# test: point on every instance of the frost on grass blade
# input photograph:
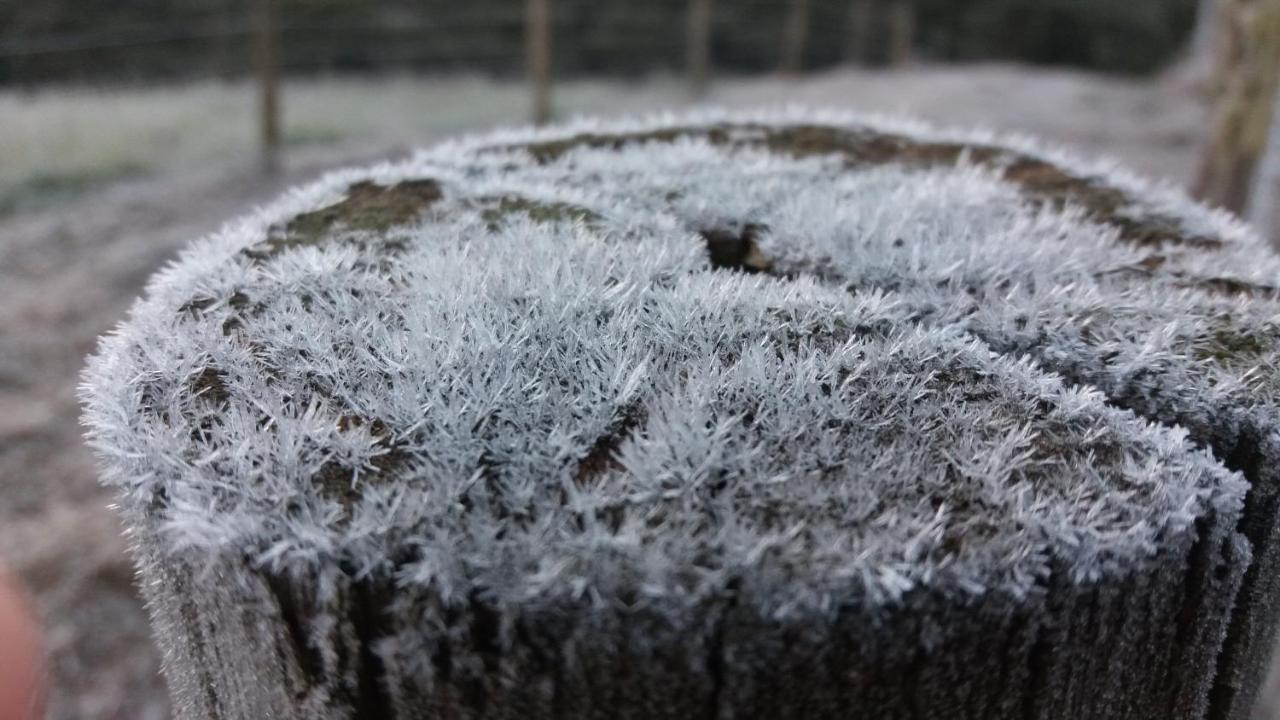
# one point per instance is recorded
(788, 413)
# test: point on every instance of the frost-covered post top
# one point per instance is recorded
(721, 377)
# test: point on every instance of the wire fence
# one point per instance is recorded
(541, 38)
(544, 39)
(41, 42)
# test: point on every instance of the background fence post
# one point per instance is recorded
(538, 45)
(266, 64)
(858, 33)
(795, 33)
(1246, 75)
(699, 46)
(902, 31)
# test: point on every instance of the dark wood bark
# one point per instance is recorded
(245, 644)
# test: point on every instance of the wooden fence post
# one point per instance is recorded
(527, 493)
(266, 63)
(902, 27)
(698, 48)
(858, 33)
(538, 46)
(1246, 78)
(795, 33)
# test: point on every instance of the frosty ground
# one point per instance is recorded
(99, 188)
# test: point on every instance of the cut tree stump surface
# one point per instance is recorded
(777, 415)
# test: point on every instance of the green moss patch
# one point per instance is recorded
(497, 210)
(1230, 346)
(367, 207)
(1232, 287)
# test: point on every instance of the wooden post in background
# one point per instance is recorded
(266, 65)
(698, 46)
(1246, 77)
(795, 33)
(858, 33)
(538, 47)
(902, 31)
(225, 56)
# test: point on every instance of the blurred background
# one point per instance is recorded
(128, 128)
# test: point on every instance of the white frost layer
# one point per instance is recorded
(544, 408)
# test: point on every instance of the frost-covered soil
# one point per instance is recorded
(70, 267)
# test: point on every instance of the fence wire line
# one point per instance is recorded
(84, 42)
(239, 26)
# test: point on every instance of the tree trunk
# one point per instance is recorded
(795, 35)
(698, 48)
(538, 43)
(1247, 73)
(266, 62)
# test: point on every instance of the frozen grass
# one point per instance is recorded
(78, 138)
(86, 137)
